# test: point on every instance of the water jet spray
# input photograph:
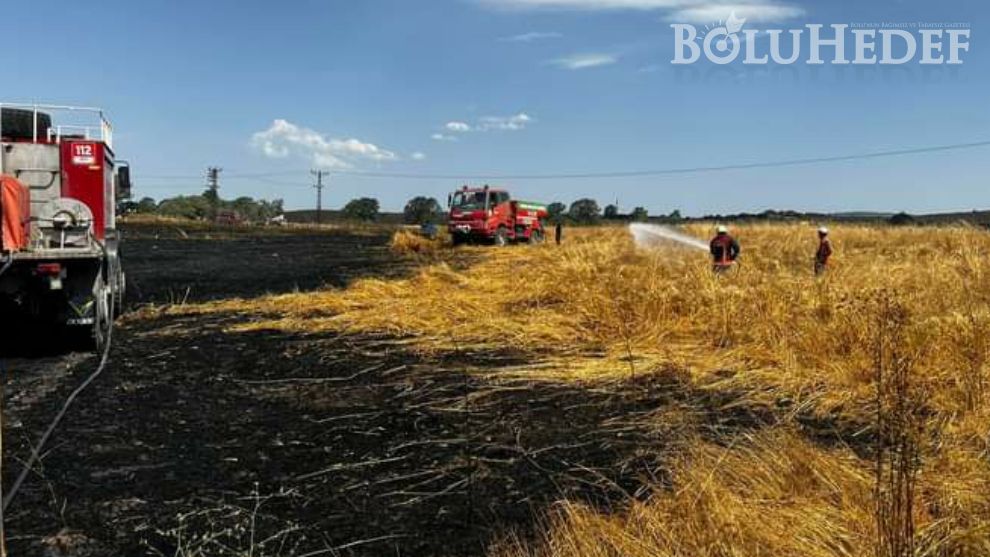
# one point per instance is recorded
(652, 235)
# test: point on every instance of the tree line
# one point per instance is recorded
(425, 210)
(418, 210)
(587, 211)
(206, 206)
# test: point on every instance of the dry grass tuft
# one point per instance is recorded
(773, 494)
(409, 242)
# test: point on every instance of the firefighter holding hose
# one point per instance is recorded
(724, 250)
(824, 252)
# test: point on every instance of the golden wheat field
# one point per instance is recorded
(874, 376)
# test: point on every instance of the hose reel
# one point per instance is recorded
(65, 222)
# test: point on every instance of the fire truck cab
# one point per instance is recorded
(60, 250)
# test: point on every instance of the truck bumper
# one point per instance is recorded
(47, 290)
(469, 229)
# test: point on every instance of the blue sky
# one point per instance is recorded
(507, 87)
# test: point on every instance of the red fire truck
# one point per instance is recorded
(60, 180)
(489, 214)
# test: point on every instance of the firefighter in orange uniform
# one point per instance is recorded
(824, 251)
(724, 250)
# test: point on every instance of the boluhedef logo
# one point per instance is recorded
(845, 44)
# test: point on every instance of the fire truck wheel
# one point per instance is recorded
(101, 313)
(19, 124)
(119, 295)
(536, 237)
(501, 237)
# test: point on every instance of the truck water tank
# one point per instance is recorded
(21, 124)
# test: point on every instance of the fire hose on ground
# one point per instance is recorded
(36, 450)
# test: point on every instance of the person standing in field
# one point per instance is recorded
(824, 251)
(724, 250)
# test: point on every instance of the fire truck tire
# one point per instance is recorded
(18, 123)
(120, 295)
(501, 237)
(101, 313)
(536, 237)
(458, 239)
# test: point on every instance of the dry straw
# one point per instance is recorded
(773, 335)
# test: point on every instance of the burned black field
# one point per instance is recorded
(201, 441)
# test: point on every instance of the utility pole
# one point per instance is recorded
(319, 192)
(213, 186)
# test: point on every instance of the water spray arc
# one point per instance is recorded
(652, 235)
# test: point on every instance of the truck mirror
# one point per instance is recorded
(124, 182)
(450, 200)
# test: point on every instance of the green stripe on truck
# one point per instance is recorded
(532, 206)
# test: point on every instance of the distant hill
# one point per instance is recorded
(861, 215)
(973, 217)
(976, 218)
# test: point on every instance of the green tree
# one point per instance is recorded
(556, 211)
(901, 219)
(675, 215)
(640, 214)
(244, 206)
(202, 207)
(270, 209)
(146, 205)
(422, 210)
(611, 212)
(365, 209)
(186, 206)
(585, 211)
(126, 207)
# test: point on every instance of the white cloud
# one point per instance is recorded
(442, 137)
(584, 61)
(513, 123)
(284, 138)
(532, 36)
(505, 123)
(684, 11)
(751, 12)
(417, 156)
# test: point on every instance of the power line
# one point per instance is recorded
(229, 175)
(284, 184)
(672, 171)
(193, 187)
(261, 177)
